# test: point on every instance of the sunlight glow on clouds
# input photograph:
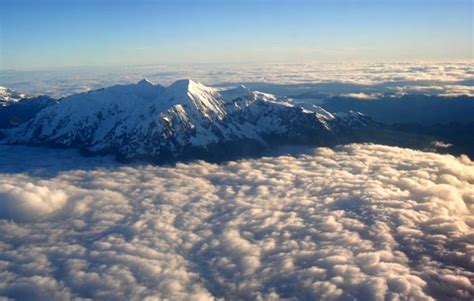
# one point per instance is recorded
(363, 221)
(29, 202)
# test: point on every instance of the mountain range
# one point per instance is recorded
(186, 120)
(17, 108)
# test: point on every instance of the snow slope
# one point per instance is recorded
(185, 119)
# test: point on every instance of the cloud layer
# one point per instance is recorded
(448, 79)
(362, 221)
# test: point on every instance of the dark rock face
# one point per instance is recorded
(16, 113)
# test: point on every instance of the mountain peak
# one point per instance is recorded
(147, 89)
(145, 82)
(188, 86)
(204, 99)
(184, 84)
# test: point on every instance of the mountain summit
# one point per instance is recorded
(184, 120)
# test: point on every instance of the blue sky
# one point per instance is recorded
(47, 34)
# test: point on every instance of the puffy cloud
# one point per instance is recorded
(29, 202)
(369, 222)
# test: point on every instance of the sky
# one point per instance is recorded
(51, 33)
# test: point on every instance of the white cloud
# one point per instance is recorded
(29, 202)
(362, 221)
(441, 144)
(436, 78)
(363, 96)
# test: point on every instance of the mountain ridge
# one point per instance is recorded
(185, 119)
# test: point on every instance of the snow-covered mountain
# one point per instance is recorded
(16, 108)
(9, 96)
(184, 120)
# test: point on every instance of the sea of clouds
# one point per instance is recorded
(365, 80)
(369, 222)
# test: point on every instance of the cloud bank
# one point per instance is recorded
(449, 79)
(368, 222)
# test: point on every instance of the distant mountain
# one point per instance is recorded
(184, 120)
(8, 96)
(426, 110)
(16, 108)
